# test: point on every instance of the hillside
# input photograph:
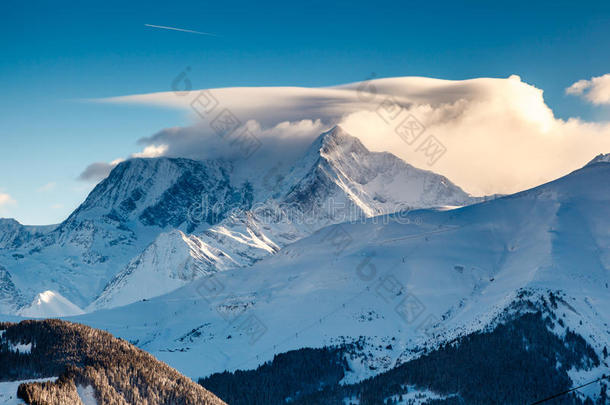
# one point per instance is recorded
(163, 222)
(516, 362)
(86, 359)
(411, 282)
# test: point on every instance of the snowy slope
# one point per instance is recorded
(171, 261)
(416, 284)
(10, 296)
(123, 214)
(50, 304)
(13, 234)
(374, 182)
(86, 395)
(337, 180)
(124, 243)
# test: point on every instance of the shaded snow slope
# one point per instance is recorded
(13, 234)
(407, 285)
(10, 297)
(170, 262)
(122, 215)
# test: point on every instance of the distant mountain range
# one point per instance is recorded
(377, 281)
(447, 284)
(156, 224)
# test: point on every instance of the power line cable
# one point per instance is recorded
(603, 377)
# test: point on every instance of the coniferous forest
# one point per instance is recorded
(518, 362)
(118, 372)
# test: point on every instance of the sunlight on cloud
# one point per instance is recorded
(98, 171)
(151, 151)
(499, 134)
(5, 201)
(596, 90)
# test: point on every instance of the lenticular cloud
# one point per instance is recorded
(489, 135)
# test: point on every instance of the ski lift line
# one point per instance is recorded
(603, 377)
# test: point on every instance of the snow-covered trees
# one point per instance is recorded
(118, 372)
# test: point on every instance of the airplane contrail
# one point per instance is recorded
(179, 29)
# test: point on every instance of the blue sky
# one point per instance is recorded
(55, 55)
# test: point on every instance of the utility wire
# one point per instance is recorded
(603, 377)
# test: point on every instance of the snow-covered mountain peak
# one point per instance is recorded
(49, 304)
(156, 191)
(339, 167)
(6, 222)
(455, 272)
(13, 234)
(124, 213)
(149, 223)
(337, 180)
(601, 158)
(338, 141)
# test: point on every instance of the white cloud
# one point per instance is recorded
(262, 148)
(98, 171)
(596, 90)
(499, 134)
(151, 151)
(6, 200)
